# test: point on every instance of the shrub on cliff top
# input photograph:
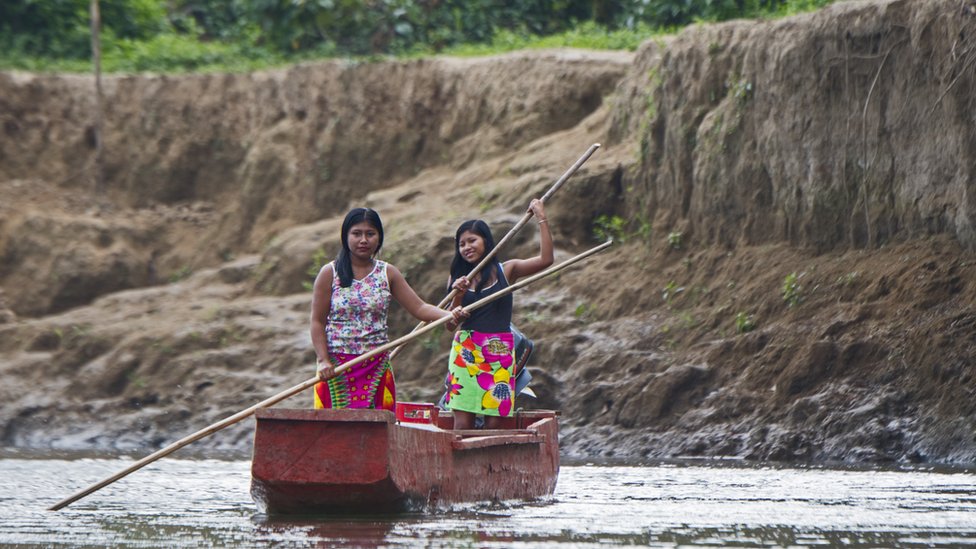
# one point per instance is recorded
(192, 34)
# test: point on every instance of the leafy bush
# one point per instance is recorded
(665, 13)
(213, 19)
(606, 227)
(62, 28)
(744, 323)
(189, 34)
(791, 290)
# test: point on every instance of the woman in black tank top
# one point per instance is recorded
(480, 376)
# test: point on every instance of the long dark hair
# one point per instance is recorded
(460, 266)
(343, 262)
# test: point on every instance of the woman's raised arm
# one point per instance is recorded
(518, 268)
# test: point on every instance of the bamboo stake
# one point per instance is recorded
(511, 233)
(207, 431)
(96, 41)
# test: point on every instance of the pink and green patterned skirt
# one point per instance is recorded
(366, 385)
(479, 377)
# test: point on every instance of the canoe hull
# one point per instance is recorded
(365, 461)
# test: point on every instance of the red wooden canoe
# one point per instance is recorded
(370, 461)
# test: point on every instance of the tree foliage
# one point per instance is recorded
(61, 28)
(198, 30)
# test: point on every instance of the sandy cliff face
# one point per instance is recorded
(248, 156)
(792, 281)
(849, 127)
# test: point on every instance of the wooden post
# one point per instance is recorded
(96, 25)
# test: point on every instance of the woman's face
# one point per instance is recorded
(471, 246)
(363, 240)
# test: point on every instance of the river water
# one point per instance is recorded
(205, 503)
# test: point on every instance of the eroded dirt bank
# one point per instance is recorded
(827, 157)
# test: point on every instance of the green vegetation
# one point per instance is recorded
(319, 260)
(654, 80)
(740, 90)
(583, 311)
(609, 226)
(848, 279)
(136, 380)
(688, 320)
(744, 323)
(674, 240)
(791, 290)
(606, 227)
(182, 273)
(670, 290)
(589, 35)
(237, 35)
(644, 227)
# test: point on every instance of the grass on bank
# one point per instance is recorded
(588, 36)
(179, 53)
(175, 53)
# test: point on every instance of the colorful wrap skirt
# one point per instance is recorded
(366, 385)
(479, 373)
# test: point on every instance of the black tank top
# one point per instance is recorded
(494, 317)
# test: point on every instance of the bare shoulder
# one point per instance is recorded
(326, 271)
(508, 268)
(393, 274)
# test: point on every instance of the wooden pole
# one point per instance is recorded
(511, 233)
(96, 25)
(211, 429)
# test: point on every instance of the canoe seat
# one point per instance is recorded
(481, 439)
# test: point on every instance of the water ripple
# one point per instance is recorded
(193, 503)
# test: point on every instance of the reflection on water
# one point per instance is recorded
(193, 503)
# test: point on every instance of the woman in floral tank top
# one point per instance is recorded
(350, 300)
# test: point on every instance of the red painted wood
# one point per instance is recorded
(312, 461)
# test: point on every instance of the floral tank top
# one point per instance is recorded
(357, 315)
